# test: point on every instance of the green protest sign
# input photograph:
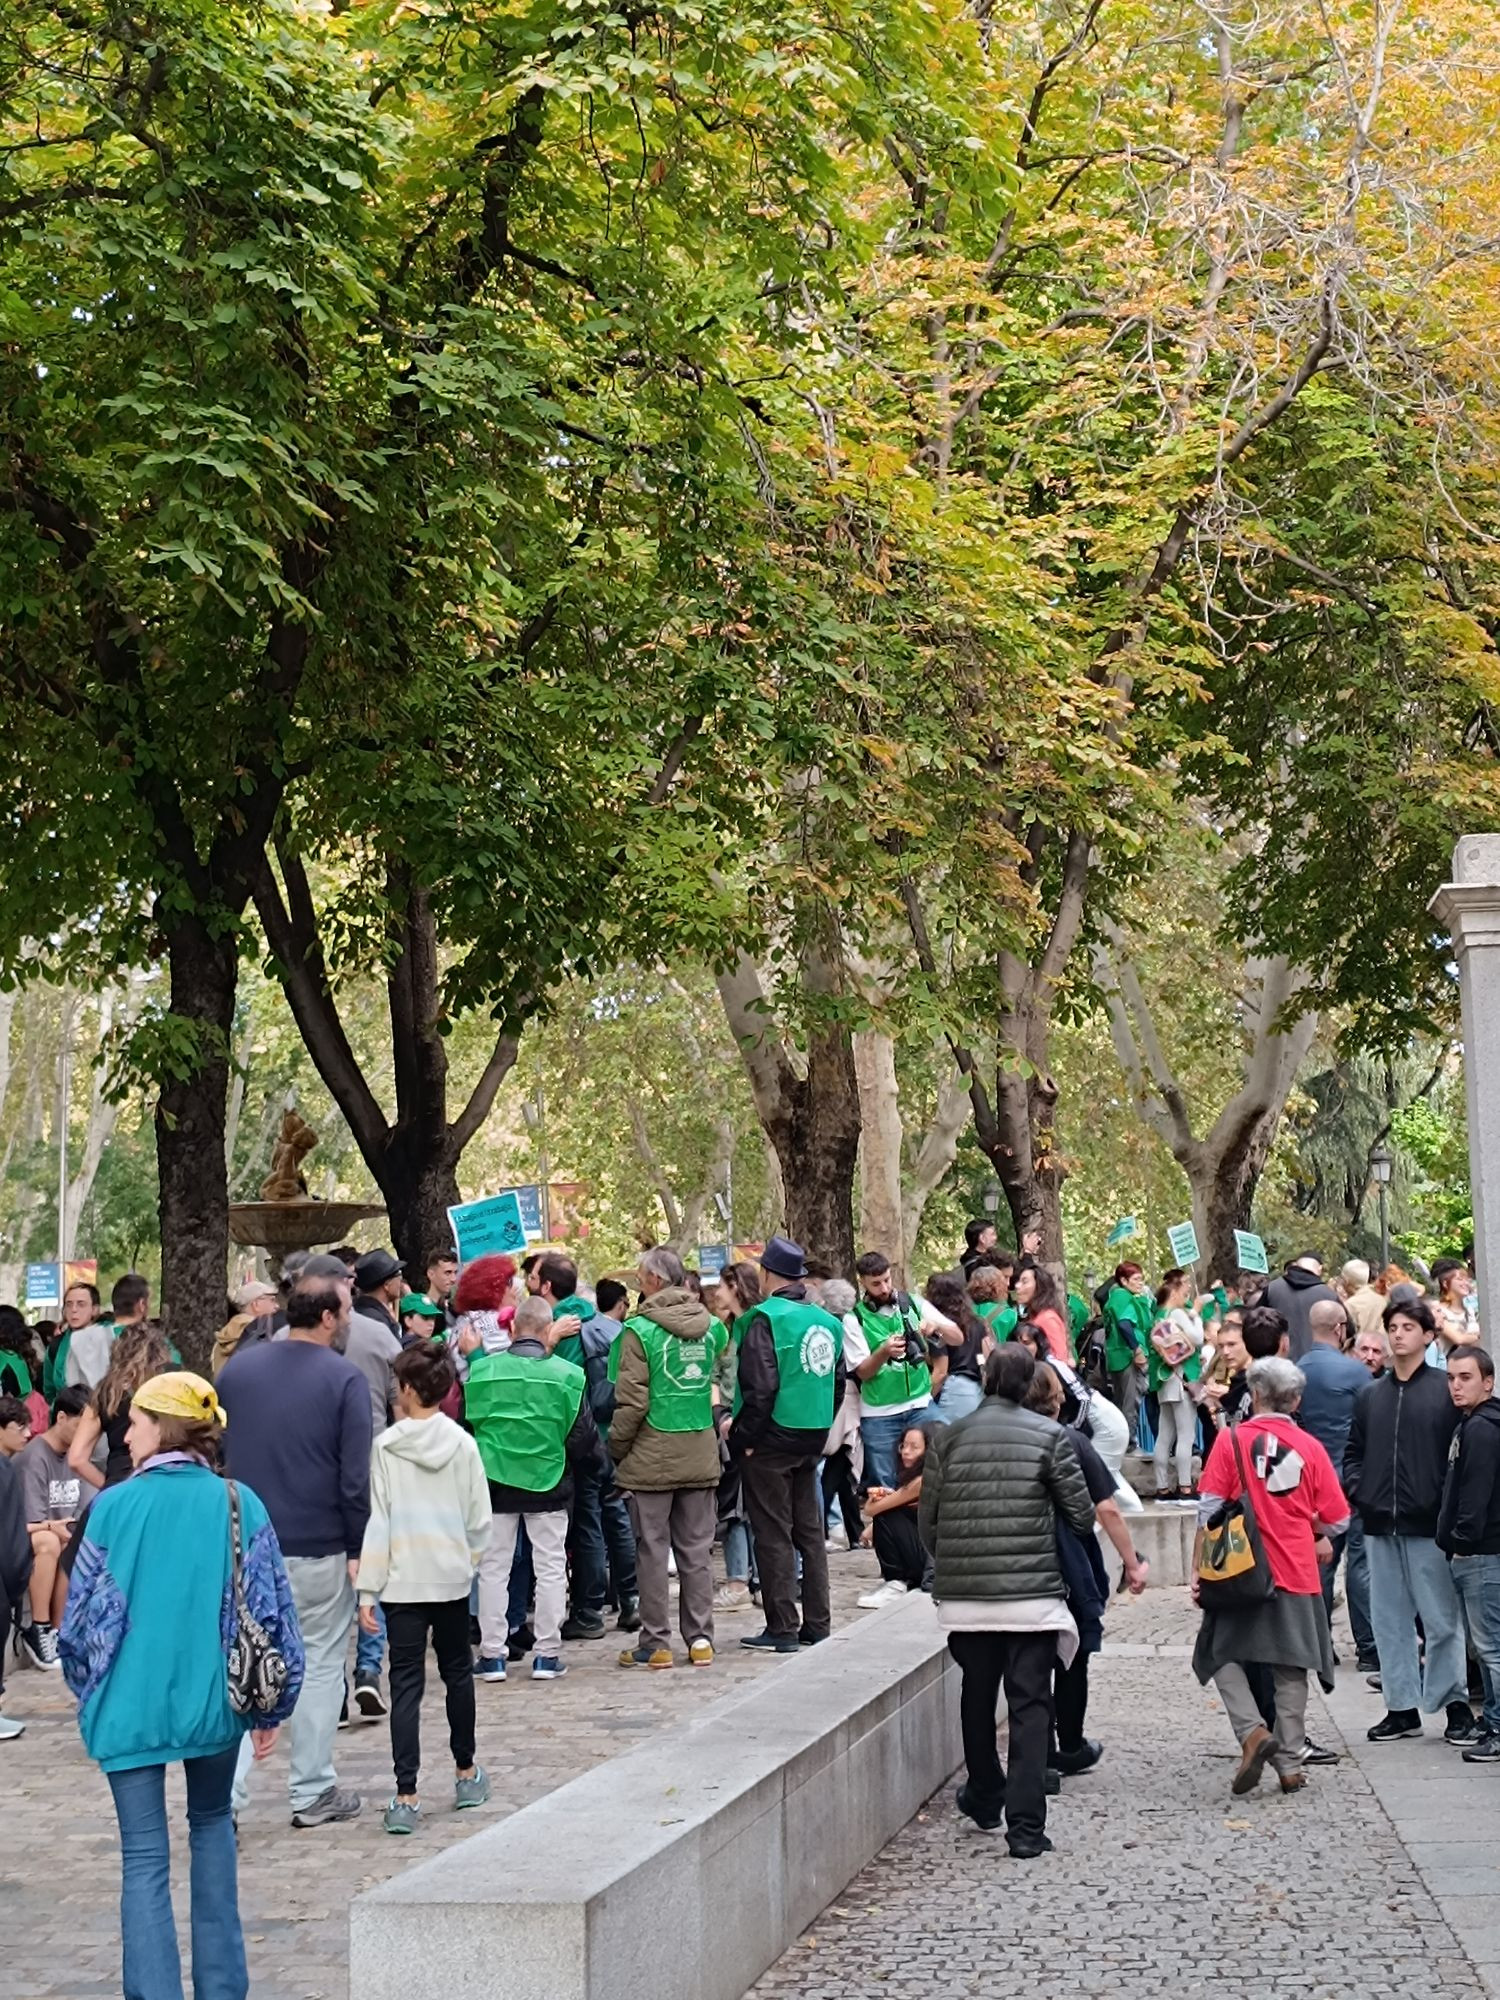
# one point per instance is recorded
(1183, 1239)
(1250, 1251)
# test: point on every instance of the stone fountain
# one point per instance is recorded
(287, 1217)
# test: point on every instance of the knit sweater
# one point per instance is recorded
(429, 1514)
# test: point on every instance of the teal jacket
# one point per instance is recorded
(150, 1619)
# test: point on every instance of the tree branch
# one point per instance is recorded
(482, 1097)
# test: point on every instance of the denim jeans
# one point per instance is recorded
(739, 1553)
(1477, 1581)
(601, 1521)
(369, 1647)
(961, 1396)
(1409, 1579)
(324, 1598)
(153, 1968)
(882, 1437)
(1350, 1546)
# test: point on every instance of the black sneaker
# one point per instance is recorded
(1396, 1726)
(767, 1642)
(1033, 1853)
(1084, 1758)
(520, 1643)
(811, 1638)
(368, 1699)
(986, 1822)
(1462, 1728)
(629, 1619)
(1052, 1782)
(1372, 1681)
(1367, 1663)
(1314, 1753)
(1485, 1751)
(583, 1625)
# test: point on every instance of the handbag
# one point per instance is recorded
(1232, 1565)
(256, 1666)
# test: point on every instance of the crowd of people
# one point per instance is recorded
(492, 1465)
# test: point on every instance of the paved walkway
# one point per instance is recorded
(1380, 1881)
(59, 1853)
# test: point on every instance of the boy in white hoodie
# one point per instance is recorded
(429, 1526)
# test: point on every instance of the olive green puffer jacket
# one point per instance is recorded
(992, 1488)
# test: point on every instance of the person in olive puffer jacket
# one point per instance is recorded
(992, 1489)
(666, 1454)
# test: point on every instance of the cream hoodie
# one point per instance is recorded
(429, 1514)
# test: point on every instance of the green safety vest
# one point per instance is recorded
(14, 1369)
(898, 1381)
(521, 1408)
(807, 1342)
(682, 1373)
(1002, 1321)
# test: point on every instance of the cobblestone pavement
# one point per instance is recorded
(59, 1854)
(1162, 1885)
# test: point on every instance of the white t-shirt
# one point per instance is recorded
(857, 1350)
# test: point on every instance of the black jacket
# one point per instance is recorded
(760, 1381)
(15, 1553)
(377, 1309)
(993, 1488)
(1469, 1523)
(1397, 1456)
(1294, 1294)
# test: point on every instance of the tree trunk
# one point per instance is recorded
(190, 1111)
(881, 1225)
(419, 1186)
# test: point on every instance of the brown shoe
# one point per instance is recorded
(1255, 1751)
(1294, 1781)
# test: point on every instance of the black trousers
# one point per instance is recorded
(406, 1630)
(1070, 1698)
(1022, 1663)
(898, 1547)
(786, 1518)
(838, 1478)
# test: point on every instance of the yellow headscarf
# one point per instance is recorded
(179, 1394)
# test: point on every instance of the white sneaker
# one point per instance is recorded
(886, 1594)
(837, 1538)
(10, 1729)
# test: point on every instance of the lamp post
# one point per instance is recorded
(1381, 1166)
(991, 1198)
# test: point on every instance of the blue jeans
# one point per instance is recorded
(882, 1437)
(961, 1396)
(1351, 1546)
(1409, 1579)
(369, 1647)
(600, 1520)
(1477, 1581)
(739, 1554)
(153, 1969)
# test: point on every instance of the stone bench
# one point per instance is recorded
(683, 1868)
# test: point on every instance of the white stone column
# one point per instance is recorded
(1469, 908)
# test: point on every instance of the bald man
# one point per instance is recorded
(1334, 1382)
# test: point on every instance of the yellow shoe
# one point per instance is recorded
(700, 1653)
(643, 1656)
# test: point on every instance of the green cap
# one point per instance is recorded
(418, 1302)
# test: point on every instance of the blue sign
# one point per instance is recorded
(43, 1286)
(712, 1257)
(530, 1199)
(489, 1227)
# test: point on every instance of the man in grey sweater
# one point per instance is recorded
(992, 1489)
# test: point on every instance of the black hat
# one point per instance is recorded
(376, 1267)
(783, 1258)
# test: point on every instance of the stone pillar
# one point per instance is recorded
(1469, 908)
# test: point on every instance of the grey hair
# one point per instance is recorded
(533, 1317)
(838, 1296)
(660, 1262)
(1275, 1385)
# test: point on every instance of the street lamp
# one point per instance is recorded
(991, 1198)
(1381, 1166)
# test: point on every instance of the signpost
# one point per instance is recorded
(712, 1257)
(1183, 1240)
(1250, 1251)
(43, 1288)
(489, 1227)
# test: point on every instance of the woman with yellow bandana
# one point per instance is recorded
(145, 1651)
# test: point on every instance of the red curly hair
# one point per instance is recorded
(484, 1285)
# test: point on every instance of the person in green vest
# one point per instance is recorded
(885, 1346)
(532, 1423)
(791, 1381)
(600, 1520)
(666, 1455)
(1129, 1314)
(80, 1308)
(989, 1288)
(90, 1350)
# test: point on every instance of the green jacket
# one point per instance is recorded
(571, 1347)
(1126, 1310)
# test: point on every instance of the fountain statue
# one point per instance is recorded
(287, 1217)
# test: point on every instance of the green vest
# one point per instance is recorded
(13, 1371)
(521, 1408)
(807, 1342)
(1139, 1308)
(1002, 1321)
(898, 1381)
(682, 1373)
